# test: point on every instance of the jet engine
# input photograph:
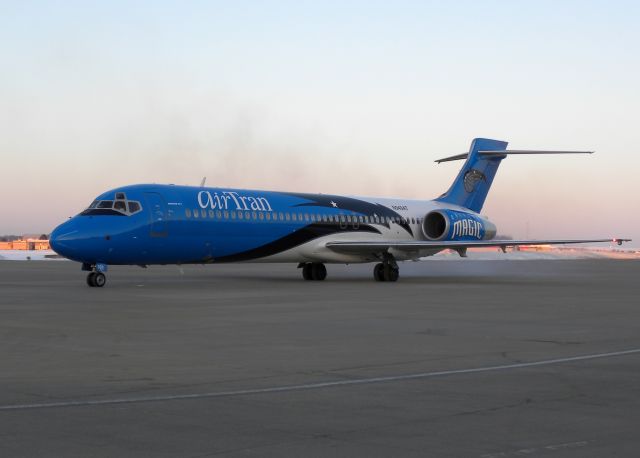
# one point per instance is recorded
(447, 224)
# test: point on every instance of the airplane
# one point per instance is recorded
(149, 224)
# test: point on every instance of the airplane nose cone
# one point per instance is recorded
(61, 238)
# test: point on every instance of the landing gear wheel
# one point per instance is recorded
(378, 272)
(91, 279)
(390, 273)
(306, 272)
(387, 270)
(318, 271)
(99, 279)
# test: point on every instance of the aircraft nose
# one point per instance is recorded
(61, 238)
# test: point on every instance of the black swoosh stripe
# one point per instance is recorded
(301, 236)
(354, 205)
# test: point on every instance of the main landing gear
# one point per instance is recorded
(96, 277)
(387, 270)
(314, 271)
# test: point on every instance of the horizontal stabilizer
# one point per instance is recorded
(383, 246)
(501, 153)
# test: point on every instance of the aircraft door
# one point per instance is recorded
(157, 214)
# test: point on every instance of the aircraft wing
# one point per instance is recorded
(383, 246)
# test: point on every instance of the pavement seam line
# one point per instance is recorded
(314, 386)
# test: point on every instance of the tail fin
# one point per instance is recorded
(472, 184)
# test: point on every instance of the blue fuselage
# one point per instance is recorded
(166, 224)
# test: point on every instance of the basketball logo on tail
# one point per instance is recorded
(471, 178)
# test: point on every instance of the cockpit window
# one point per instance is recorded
(121, 206)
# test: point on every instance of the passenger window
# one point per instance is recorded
(253, 215)
(268, 216)
(187, 212)
(240, 215)
(196, 214)
(134, 207)
(281, 216)
(226, 214)
(211, 214)
(287, 216)
(293, 216)
(233, 215)
(260, 215)
(218, 214)
(203, 213)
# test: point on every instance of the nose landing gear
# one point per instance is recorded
(96, 277)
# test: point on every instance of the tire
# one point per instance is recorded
(90, 279)
(99, 279)
(318, 271)
(390, 274)
(306, 272)
(378, 273)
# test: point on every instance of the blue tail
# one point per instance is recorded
(472, 184)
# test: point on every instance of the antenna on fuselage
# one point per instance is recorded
(204, 180)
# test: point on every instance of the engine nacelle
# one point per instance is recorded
(444, 224)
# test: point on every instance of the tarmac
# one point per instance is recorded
(488, 359)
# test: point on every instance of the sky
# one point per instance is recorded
(348, 97)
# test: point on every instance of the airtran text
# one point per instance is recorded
(231, 200)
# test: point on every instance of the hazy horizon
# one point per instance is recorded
(351, 98)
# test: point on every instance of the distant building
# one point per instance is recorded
(27, 244)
